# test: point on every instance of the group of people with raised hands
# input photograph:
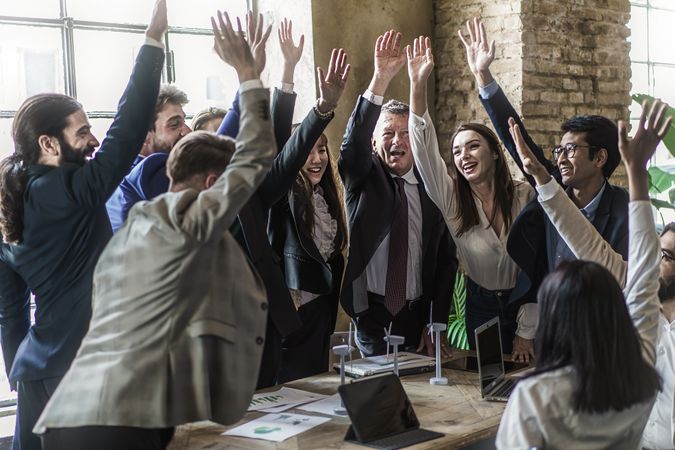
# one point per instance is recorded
(236, 239)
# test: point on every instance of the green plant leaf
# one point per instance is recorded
(669, 139)
(658, 204)
(660, 180)
(671, 195)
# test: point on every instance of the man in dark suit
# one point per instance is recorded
(55, 225)
(585, 159)
(401, 256)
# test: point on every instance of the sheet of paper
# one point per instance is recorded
(324, 406)
(276, 427)
(284, 396)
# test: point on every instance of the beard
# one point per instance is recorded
(73, 155)
(666, 289)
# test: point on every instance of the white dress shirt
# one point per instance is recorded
(539, 412)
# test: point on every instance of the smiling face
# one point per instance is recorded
(580, 170)
(78, 143)
(391, 142)
(317, 161)
(170, 127)
(473, 158)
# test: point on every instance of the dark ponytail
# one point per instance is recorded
(42, 114)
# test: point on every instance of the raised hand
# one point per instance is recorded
(479, 54)
(420, 60)
(158, 22)
(388, 60)
(257, 40)
(654, 124)
(232, 48)
(332, 84)
(531, 165)
(290, 52)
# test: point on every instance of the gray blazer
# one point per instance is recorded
(179, 314)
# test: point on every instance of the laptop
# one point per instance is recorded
(494, 385)
(381, 414)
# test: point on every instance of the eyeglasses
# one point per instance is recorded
(667, 255)
(570, 149)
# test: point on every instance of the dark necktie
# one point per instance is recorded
(397, 265)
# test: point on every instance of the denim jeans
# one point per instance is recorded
(483, 305)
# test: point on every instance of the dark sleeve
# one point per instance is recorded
(230, 124)
(446, 270)
(499, 109)
(292, 157)
(95, 182)
(283, 106)
(355, 160)
(146, 181)
(14, 313)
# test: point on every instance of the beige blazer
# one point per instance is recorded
(179, 314)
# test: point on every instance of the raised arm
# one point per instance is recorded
(283, 101)
(423, 139)
(579, 234)
(14, 314)
(479, 55)
(355, 159)
(215, 208)
(293, 156)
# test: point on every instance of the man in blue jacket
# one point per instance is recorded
(54, 224)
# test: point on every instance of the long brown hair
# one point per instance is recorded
(42, 114)
(466, 211)
(303, 190)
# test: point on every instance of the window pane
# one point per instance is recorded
(638, 33)
(6, 143)
(31, 62)
(640, 80)
(198, 14)
(118, 11)
(31, 8)
(214, 84)
(661, 36)
(638, 2)
(664, 88)
(99, 127)
(100, 83)
(666, 4)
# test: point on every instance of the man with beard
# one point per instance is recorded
(147, 179)
(401, 256)
(54, 224)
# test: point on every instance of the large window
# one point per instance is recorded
(653, 65)
(86, 48)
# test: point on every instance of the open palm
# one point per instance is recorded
(420, 59)
(332, 84)
(479, 53)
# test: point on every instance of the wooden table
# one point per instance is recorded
(456, 410)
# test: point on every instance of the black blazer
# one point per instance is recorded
(303, 265)
(527, 243)
(371, 198)
(66, 228)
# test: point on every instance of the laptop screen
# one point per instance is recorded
(489, 349)
(378, 407)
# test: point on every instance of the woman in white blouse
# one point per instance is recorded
(594, 382)
(479, 200)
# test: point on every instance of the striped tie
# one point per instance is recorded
(397, 264)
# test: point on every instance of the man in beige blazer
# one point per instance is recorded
(179, 314)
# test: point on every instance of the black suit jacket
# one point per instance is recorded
(527, 243)
(66, 228)
(371, 198)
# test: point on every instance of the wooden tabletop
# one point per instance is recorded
(456, 410)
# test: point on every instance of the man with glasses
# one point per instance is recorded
(583, 162)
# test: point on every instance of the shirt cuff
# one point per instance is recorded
(549, 190)
(417, 121)
(153, 42)
(372, 98)
(287, 87)
(249, 85)
(528, 317)
(488, 91)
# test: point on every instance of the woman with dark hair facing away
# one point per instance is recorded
(594, 382)
(479, 200)
(307, 228)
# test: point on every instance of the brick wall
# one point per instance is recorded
(554, 59)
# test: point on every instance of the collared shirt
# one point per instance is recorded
(539, 412)
(376, 271)
(660, 429)
(558, 251)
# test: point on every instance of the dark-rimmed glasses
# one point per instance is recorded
(570, 149)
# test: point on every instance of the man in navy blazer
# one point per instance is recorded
(376, 167)
(585, 159)
(55, 225)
